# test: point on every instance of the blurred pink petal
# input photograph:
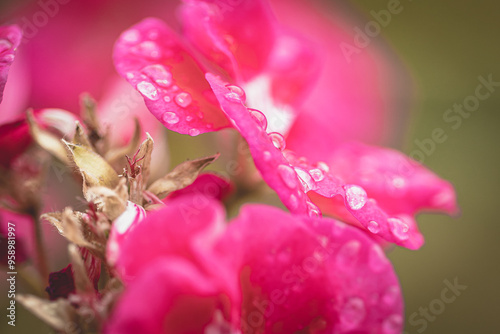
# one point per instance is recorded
(190, 230)
(268, 271)
(171, 296)
(236, 35)
(153, 60)
(310, 274)
(10, 38)
(209, 185)
(15, 137)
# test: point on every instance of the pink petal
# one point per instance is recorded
(399, 184)
(269, 160)
(152, 58)
(185, 228)
(121, 228)
(310, 274)
(170, 296)
(208, 185)
(236, 35)
(10, 38)
(291, 176)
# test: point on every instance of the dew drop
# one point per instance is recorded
(317, 174)
(235, 94)
(167, 98)
(398, 182)
(170, 118)
(194, 132)
(356, 197)
(313, 210)
(259, 117)
(391, 295)
(293, 201)
(392, 325)
(305, 179)
(159, 74)
(373, 227)
(323, 166)
(129, 75)
(267, 156)
(398, 228)
(347, 254)
(148, 90)
(183, 99)
(278, 140)
(352, 313)
(148, 49)
(288, 176)
(189, 118)
(131, 36)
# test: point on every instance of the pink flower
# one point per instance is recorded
(10, 37)
(266, 272)
(275, 70)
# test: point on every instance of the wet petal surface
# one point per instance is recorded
(153, 59)
(10, 38)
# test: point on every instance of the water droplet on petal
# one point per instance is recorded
(294, 202)
(194, 132)
(259, 118)
(131, 36)
(391, 295)
(373, 227)
(288, 176)
(353, 312)
(305, 179)
(323, 166)
(189, 118)
(398, 228)
(129, 75)
(392, 325)
(267, 156)
(148, 90)
(167, 98)
(313, 210)
(398, 182)
(183, 99)
(148, 49)
(235, 94)
(278, 140)
(317, 174)
(170, 118)
(347, 254)
(159, 74)
(356, 197)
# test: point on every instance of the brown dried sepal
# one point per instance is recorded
(181, 176)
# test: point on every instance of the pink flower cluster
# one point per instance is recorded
(311, 122)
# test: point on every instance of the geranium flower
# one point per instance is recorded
(244, 60)
(186, 271)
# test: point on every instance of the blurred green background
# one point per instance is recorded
(446, 45)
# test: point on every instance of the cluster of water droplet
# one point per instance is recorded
(156, 82)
